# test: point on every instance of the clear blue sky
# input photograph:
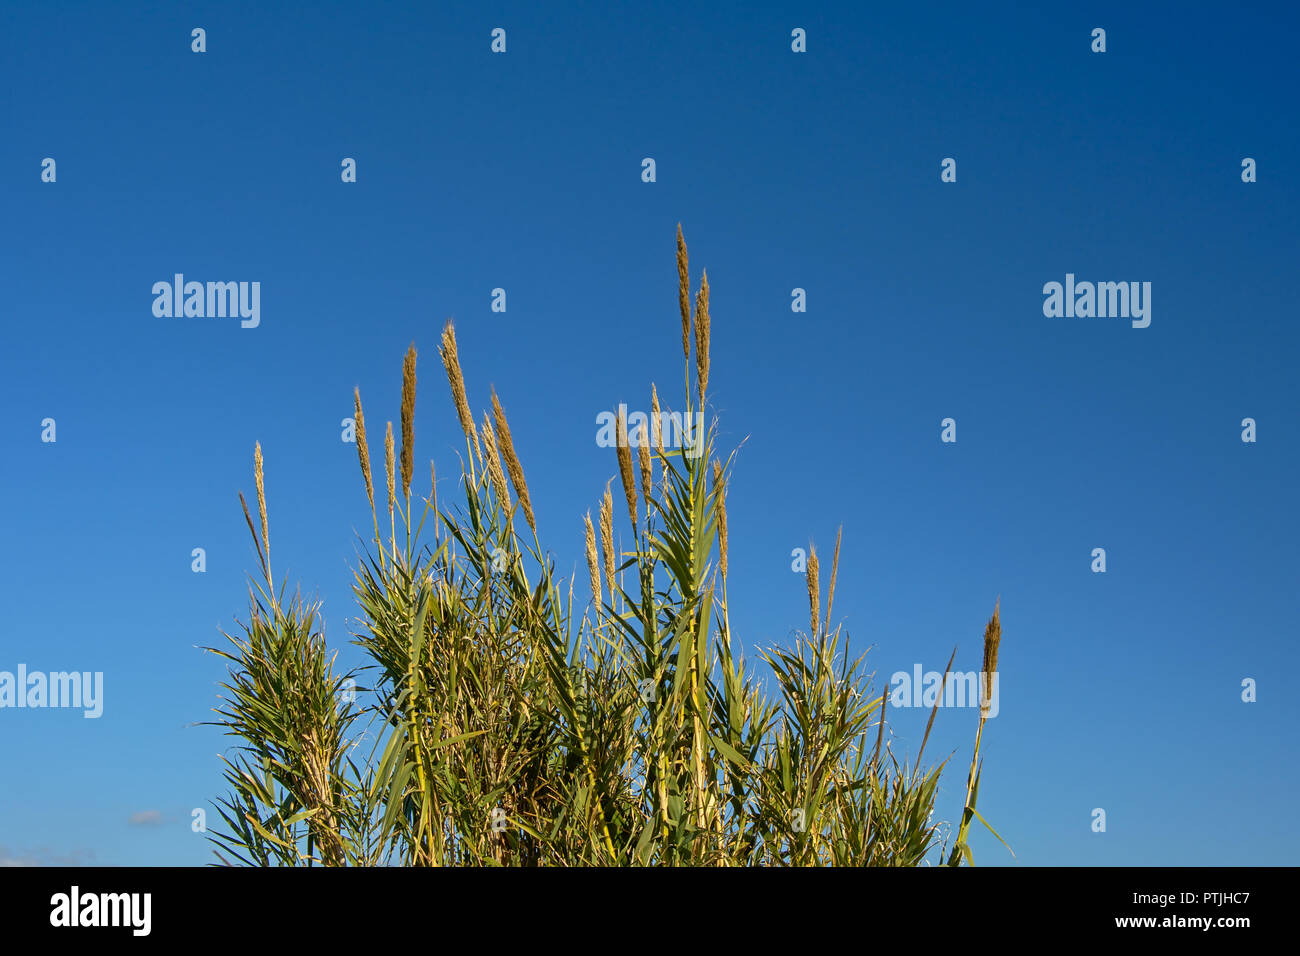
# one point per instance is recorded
(820, 171)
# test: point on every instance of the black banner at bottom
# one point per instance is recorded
(1001, 905)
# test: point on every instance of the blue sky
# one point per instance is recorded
(818, 171)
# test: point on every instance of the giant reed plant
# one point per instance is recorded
(512, 722)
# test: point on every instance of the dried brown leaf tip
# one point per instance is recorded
(363, 449)
(515, 470)
(253, 531)
(625, 467)
(656, 420)
(408, 420)
(720, 493)
(835, 570)
(684, 293)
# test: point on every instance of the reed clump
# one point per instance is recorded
(512, 723)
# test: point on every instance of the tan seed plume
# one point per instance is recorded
(451, 362)
(363, 450)
(408, 421)
(702, 337)
(593, 563)
(657, 420)
(607, 537)
(513, 467)
(643, 459)
(814, 589)
(720, 492)
(992, 639)
(389, 468)
(261, 503)
(625, 467)
(684, 293)
(495, 474)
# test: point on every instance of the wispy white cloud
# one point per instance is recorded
(44, 856)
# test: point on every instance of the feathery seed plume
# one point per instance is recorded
(363, 450)
(593, 563)
(389, 468)
(702, 336)
(625, 467)
(992, 639)
(607, 537)
(814, 589)
(261, 503)
(451, 362)
(643, 460)
(408, 420)
(495, 474)
(657, 420)
(684, 293)
(513, 467)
